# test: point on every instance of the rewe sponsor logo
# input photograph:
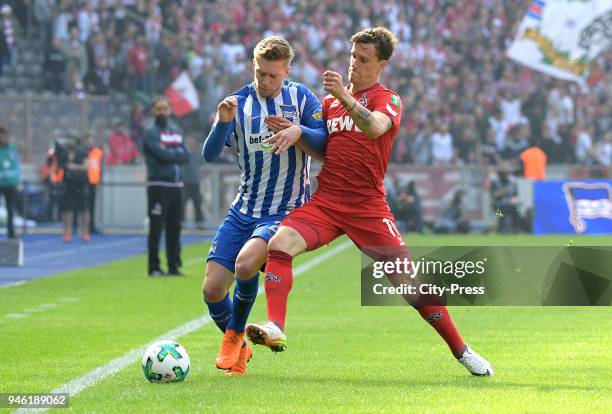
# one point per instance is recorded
(344, 123)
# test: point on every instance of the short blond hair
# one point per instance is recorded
(384, 41)
(274, 48)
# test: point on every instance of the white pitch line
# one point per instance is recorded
(98, 374)
(8, 285)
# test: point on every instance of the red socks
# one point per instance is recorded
(439, 318)
(278, 283)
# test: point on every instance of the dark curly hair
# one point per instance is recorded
(384, 41)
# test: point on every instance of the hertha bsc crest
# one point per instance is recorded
(290, 113)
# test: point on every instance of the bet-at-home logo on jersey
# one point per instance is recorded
(256, 141)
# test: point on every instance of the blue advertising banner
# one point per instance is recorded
(572, 207)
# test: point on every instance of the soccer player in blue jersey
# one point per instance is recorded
(274, 181)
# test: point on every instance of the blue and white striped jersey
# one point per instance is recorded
(272, 184)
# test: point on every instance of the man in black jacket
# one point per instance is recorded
(165, 151)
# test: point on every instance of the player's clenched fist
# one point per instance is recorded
(227, 109)
(332, 83)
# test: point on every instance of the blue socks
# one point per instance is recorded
(220, 312)
(244, 298)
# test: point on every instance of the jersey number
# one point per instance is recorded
(392, 229)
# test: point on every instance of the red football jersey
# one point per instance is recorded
(355, 166)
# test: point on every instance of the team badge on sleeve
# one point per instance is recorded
(395, 101)
(364, 100)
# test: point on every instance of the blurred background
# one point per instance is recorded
(471, 115)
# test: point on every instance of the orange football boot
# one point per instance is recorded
(230, 349)
(246, 352)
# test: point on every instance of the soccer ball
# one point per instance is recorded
(165, 361)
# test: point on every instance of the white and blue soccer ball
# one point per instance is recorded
(165, 361)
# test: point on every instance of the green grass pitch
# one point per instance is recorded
(341, 357)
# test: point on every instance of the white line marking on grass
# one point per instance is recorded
(8, 285)
(98, 374)
(41, 308)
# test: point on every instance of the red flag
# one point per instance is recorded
(182, 95)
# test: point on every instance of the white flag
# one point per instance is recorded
(183, 95)
(561, 37)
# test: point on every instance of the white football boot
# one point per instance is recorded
(476, 364)
(267, 334)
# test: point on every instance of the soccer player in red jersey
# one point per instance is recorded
(362, 120)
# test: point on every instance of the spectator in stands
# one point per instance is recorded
(488, 149)
(552, 145)
(500, 127)
(510, 106)
(76, 86)
(97, 50)
(10, 177)
(63, 21)
(98, 79)
(467, 147)
(504, 196)
(169, 58)
(420, 146)
(603, 151)
(44, 13)
(122, 149)
(517, 142)
(442, 145)
(137, 120)
(9, 30)
(88, 21)
(76, 55)
(584, 151)
(54, 68)
(452, 219)
(408, 208)
(138, 66)
(4, 52)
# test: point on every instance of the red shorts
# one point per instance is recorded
(368, 225)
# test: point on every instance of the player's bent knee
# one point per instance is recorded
(246, 268)
(287, 240)
(213, 292)
(217, 281)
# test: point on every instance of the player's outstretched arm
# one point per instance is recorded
(372, 123)
(221, 130)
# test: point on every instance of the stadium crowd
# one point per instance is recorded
(464, 100)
